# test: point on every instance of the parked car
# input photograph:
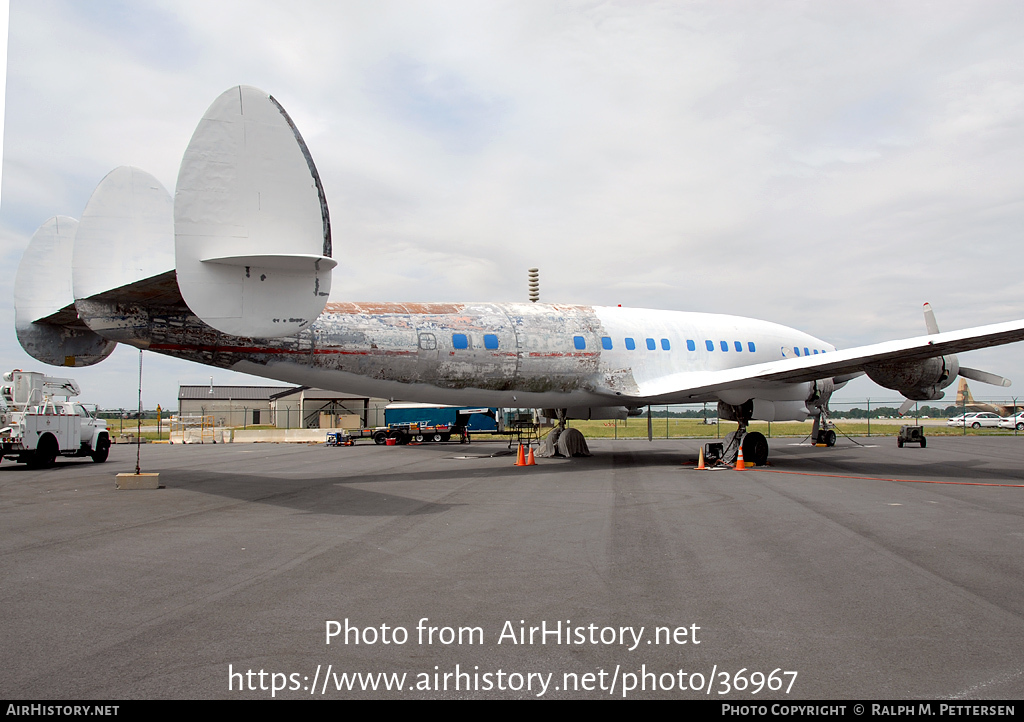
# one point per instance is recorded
(975, 419)
(1013, 422)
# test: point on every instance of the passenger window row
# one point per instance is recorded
(724, 345)
(461, 341)
(630, 343)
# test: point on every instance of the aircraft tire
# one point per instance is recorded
(755, 448)
(924, 442)
(830, 438)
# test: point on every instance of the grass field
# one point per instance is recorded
(694, 428)
(636, 428)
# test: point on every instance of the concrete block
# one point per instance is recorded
(138, 481)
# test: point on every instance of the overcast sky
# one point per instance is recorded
(826, 165)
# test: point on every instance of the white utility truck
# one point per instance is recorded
(36, 426)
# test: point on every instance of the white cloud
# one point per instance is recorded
(829, 166)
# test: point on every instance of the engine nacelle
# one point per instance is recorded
(820, 393)
(917, 380)
(595, 413)
(764, 410)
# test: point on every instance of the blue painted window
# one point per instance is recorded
(738, 345)
(710, 345)
(650, 344)
(815, 352)
(460, 340)
(490, 341)
(630, 344)
(579, 342)
(606, 343)
(724, 345)
(750, 346)
(797, 350)
(806, 352)
(665, 345)
(690, 345)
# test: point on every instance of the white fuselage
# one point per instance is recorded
(536, 355)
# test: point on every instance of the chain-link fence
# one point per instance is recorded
(869, 417)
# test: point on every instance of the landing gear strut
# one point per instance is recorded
(820, 431)
(753, 443)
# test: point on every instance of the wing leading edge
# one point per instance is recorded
(678, 387)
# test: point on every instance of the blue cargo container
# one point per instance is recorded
(482, 422)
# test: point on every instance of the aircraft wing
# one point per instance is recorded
(678, 387)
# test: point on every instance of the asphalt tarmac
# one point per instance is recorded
(846, 573)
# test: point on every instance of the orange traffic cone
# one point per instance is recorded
(530, 461)
(700, 460)
(740, 465)
(521, 459)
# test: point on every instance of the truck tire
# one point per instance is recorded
(380, 438)
(102, 450)
(437, 437)
(46, 453)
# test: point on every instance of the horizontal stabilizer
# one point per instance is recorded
(45, 318)
(252, 230)
(278, 262)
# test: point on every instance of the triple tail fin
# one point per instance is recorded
(246, 238)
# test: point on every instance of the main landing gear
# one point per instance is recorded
(753, 443)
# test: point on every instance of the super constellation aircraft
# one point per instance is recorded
(247, 287)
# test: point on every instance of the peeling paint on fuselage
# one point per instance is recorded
(508, 353)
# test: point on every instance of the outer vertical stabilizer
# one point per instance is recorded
(252, 231)
(47, 324)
